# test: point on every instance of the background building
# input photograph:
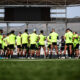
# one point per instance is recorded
(10, 20)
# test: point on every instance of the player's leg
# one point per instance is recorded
(70, 49)
(8, 51)
(56, 49)
(44, 48)
(65, 48)
(25, 49)
(77, 50)
(51, 49)
(37, 52)
(61, 51)
(39, 48)
(32, 51)
(0, 49)
(29, 51)
(48, 50)
(50, 56)
(18, 51)
(11, 50)
(5, 48)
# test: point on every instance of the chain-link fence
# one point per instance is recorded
(47, 27)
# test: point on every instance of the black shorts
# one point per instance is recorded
(19, 46)
(77, 46)
(41, 45)
(8, 46)
(68, 44)
(5, 48)
(62, 48)
(11, 46)
(49, 46)
(24, 46)
(33, 46)
(54, 43)
(0, 46)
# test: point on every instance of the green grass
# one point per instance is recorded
(40, 70)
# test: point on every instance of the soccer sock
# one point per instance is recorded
(50, 56)
(32, 55)
(57, 55)
(18, 54)
(65, 55)
(60, 55)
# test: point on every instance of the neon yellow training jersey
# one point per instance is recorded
(18, 40)
(33, 38)
(24, 38)
(7, 40)
(12, 39)
(69, 37)
(49, 41)
(53, 36)
(42, 39)
(76, 40)
(1, 37)
(79, 39)
(4, 44)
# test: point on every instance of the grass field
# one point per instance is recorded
(40, 69)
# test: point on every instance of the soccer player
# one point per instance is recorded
(42, 39)
(12, 39)
(68, 42)
(1, 40)
(54, 38)
(7, 41)
(49, 46)
(4, 45)
(33, 38)
(76, 43)
(24, 42)
(62, 45)
(18, 42)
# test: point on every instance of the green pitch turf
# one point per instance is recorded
(39, 69)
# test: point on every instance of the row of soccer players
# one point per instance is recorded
(29, 43)
(70, 41)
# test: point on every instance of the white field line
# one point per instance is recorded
(35, 60)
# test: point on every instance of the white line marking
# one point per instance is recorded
(35, 60)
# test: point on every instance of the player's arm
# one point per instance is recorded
(45, 38)
(38, 38)
(57, 36)
(64, 36)
(77, 36)
(16, 40)
(48, 39)
(29, 38)
(21, 39)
